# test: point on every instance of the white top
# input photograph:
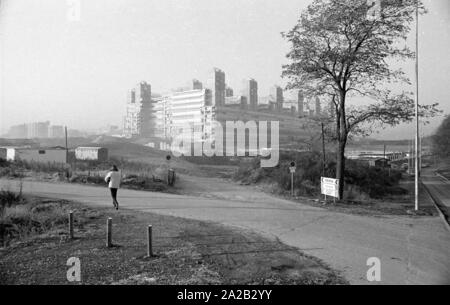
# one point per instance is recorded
(114, 183)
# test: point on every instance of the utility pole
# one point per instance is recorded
(67, 147)
(416, 180)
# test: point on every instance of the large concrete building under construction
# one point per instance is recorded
(139, 120)
(160, 119)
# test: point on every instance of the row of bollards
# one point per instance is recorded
(109, 243)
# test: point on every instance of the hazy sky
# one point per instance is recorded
(78, 73)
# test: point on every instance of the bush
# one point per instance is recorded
(8, 199)
(306, 178)
(376, 182)
(362, 181)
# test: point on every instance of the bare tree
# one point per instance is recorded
(339, 52)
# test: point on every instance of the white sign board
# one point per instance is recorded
(330, 187)
(292, 169)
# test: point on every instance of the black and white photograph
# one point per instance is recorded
(214, 151)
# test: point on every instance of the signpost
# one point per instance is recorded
(329, 187)
(292, 169)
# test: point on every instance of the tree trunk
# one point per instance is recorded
(340, 167)
(342, 134)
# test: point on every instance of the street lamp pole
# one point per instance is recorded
(416, 155)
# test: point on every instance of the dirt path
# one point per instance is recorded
(411, 250)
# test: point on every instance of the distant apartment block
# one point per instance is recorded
(193, 108)
(216, 83)
(56, 131)
(197, 85)
(276, 94)
(139, 120)
(18, 131)
(229, 92)
(250, 91)
(38, 130)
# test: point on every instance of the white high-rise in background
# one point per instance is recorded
(174, 111)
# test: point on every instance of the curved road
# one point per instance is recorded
(411, 250)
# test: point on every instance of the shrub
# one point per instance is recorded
(366, 181)
(9, 198)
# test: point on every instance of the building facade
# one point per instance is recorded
(40, 155)
(38, 130)
(276, 94)
(139, 119)
(197, 85)
(250, 91)
(56, 131)
(216, 83)
(194, 108)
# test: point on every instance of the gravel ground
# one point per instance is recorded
(186, 252)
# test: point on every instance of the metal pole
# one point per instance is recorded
(323, 151)
(71, 234)
(292, 184)
(149, 242)
(109, 232)
(67, 147)
(416, 180)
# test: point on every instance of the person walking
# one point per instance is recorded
(113, 179)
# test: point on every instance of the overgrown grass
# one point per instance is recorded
(362, 181)
(21, 217)
(137, 175)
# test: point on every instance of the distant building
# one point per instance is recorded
(91, 154)
(56, 131)
(138, 120)
(216, 83)
(250, 91)
(197, 85)
(276, 94)
(192, 107)
(40, 155)
(38, 130)
(229, 92)
(18, 131)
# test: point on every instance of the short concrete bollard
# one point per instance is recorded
(71, 234)
(149, 241)
(109, 232)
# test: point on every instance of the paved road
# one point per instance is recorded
(412, 251)
(438, 186)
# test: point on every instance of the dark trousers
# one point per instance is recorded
(114, 195)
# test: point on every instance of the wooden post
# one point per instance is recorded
(109, 232)
(149, 241)
(71, 234)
